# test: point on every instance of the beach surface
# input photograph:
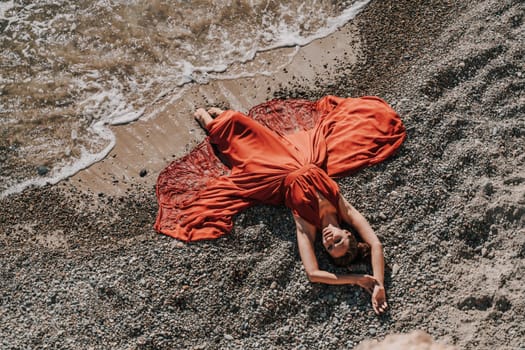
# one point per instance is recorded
(83, 268)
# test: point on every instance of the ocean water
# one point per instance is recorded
(69, 69)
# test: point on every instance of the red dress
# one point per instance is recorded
(285, 153)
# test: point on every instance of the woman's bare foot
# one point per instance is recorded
(214, 111)
(203, 117)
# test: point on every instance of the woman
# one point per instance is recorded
(288, 161)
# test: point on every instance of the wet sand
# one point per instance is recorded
(83, 268)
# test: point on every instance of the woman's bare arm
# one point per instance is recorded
(359, 222)
(305, 241)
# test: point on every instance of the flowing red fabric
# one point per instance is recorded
(284, 152)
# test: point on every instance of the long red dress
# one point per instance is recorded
(285, 153)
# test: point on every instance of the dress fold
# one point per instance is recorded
(282, 152)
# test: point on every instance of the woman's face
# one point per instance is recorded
(336, 240)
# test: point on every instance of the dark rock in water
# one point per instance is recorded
(143, 173)
(42, 170)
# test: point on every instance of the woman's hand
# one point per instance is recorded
(367, 282)
(370, 284)
(379, 299)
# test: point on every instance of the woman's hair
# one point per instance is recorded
(356, 251)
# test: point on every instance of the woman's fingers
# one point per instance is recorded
(376, 309)
(328, 237)
(385, 306)
(379, 308)
(379, 300)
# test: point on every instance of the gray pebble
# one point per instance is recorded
(42, 170)
(395, 269)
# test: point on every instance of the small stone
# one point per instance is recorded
(483, 251)
(273, 285)
(228, 337)
(141, 341)
(382, 216)
(372, 331)
(488, 188)
(42, 170)
(143, 173)
(395, 269)
(502, 304)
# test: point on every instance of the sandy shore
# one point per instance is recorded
(83, 268)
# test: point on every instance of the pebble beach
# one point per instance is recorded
(82, 267)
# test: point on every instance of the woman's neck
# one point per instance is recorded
(327, 212)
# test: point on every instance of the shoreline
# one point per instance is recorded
(148, 146)
(83, 268)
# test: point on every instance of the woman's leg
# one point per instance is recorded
(215, 112)
(205, 117)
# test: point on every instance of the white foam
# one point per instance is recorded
(86, 159)
(268, 73)
(121, 113)
(294, 38)
(287, 37)
(4, 7)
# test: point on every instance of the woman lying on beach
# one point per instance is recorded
(277, 163)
